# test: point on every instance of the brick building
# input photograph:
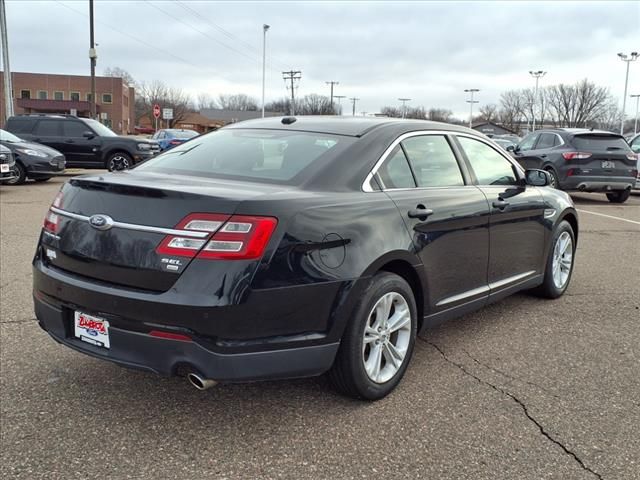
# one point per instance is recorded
(53, 93)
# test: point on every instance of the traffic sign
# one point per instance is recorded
(156, 110)
(167, 113)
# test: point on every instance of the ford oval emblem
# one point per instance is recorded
(101, 222)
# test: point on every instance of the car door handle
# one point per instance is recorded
(500, 204)
(420, 213)
(69, 141)
(544, 155)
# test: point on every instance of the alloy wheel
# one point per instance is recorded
(386, 337)
(562, 260)
(119, 162)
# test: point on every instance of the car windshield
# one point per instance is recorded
(9, 137)
(99, 128)
(600, 143)
(272, 156)
(183, 133)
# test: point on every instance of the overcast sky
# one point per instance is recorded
(378, 51)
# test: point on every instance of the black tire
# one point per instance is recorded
(348, 374)
(118, 161)
(21, 174)
(549, 289)
(620, 196)
(554, 178)
(42, 179)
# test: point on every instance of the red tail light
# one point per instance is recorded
(51, 219)
(240, 237)
(175, 142)
(170, 335)
(576, 155)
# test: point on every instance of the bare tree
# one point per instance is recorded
(204, 100)
(314, 104)
(120, 73)
(511, 109)
(488, 113)
(439, 115)
(282, 105)
(393, 112)
(156, 92)
(238, 101)
(577, 105)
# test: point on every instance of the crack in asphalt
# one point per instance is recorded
(510, 377)
(22, 320)
(516, 400)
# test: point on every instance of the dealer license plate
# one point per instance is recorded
(608, 164)
(4, 168)
(90, 329)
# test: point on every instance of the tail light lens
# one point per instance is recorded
(575, 155)
(175, 142)
(633, 156)
(240, 237)
(51, 219)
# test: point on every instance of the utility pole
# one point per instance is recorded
(538, 74)
(265, 27)
(628, 59)
(292, 76)
(340, 97)
(635, 123)
(471, 101)
(332, 83)
(353, 103)
(8, 84)
(404, 106)
(92, 57)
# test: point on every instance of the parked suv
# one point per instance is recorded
(582, 160)
(84, 142)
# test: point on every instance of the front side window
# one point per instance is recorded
(47, 128)
(395, 171)
(74, 129)
(635, 145)
(547, 140)
(490, 167)
(433, 161)
(270, 156)
(527, 142)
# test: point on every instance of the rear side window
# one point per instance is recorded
(47, 128)
(19, 125)
(600, 143)
(274, 156)
(547, 140)
(433, 161)
(395, 171)
(490, 167)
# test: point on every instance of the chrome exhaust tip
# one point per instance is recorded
(199, 382)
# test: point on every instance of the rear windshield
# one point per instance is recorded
(272, 156)
(184, 133)
(600, 143)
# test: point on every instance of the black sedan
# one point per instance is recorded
(33, 160)
(291, 247)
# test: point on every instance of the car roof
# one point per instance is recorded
(341, 125)
(580, 131)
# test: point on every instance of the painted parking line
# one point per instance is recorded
(608, 216)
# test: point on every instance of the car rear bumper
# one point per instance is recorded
(597, 184)
(165, 356)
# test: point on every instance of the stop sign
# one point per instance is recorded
(156, 110)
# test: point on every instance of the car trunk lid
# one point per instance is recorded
(602, 154)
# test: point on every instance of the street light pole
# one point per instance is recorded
(8, 86)
(353, 103)
(92, 57)
(628, 59)
(538, 74)
(265, 27)
(635, 123)
(340, 97)
(404, 106)
(471, 101)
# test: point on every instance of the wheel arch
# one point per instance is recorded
(572, 218)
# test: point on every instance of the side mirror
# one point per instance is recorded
(511, 148)
(537, 178)
(88, 135)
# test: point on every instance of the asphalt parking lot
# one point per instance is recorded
(526, 388)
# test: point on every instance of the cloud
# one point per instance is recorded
(378, 51)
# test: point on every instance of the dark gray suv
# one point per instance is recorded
(581, 160)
